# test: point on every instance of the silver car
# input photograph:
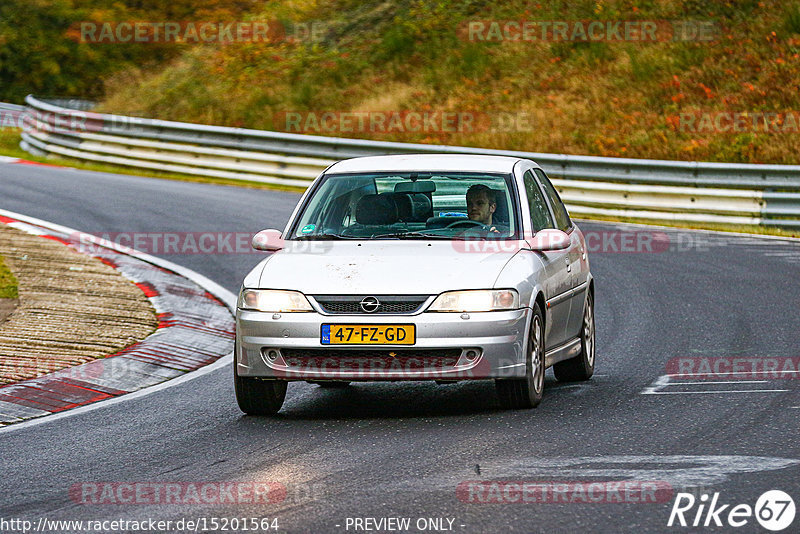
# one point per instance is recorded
(418, 267)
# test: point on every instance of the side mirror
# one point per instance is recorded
(269, 240)
(550, 239)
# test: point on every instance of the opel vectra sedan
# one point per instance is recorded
(418, 267)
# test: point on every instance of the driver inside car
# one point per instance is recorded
(481, 205)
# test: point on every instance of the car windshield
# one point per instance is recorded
(409, 205)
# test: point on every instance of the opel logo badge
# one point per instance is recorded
(370, 304)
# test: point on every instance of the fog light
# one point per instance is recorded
(471, 355)
(272, 355)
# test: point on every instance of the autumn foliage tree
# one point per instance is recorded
(41, 51)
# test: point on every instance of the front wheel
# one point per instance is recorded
(256, 395)
(581, 367)
(523, 393)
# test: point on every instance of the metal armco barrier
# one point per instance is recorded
(11, 115)
(657, 190)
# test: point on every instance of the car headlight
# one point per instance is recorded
(273, 300)
(482, 300)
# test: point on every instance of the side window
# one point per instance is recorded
(540, 215)
(559, 211)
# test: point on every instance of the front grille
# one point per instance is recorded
(389, 304)
(370, 360)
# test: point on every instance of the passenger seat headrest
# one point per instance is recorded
(413, 207)
(376, 209)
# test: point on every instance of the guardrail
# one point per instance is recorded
(11, 115)
(656, 190)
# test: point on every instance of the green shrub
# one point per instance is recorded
(8, 284)
(791, 18)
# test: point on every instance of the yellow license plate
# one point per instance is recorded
(368, 334)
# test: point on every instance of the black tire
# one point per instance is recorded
(330, 384)
(524, 393)
(256, 395)
(581, 367)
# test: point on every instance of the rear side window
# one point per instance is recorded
(540, 215)
(559, 211)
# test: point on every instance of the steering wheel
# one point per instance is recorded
(468, 223)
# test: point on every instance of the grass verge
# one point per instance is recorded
(729, 96)
(8, 283)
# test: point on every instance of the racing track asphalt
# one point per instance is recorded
(401, 449)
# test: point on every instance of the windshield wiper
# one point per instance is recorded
(411, 235)
(311, 237)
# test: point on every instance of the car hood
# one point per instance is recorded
(381, 267)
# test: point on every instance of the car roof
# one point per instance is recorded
(426, 162)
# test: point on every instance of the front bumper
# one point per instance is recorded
(448, 347)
